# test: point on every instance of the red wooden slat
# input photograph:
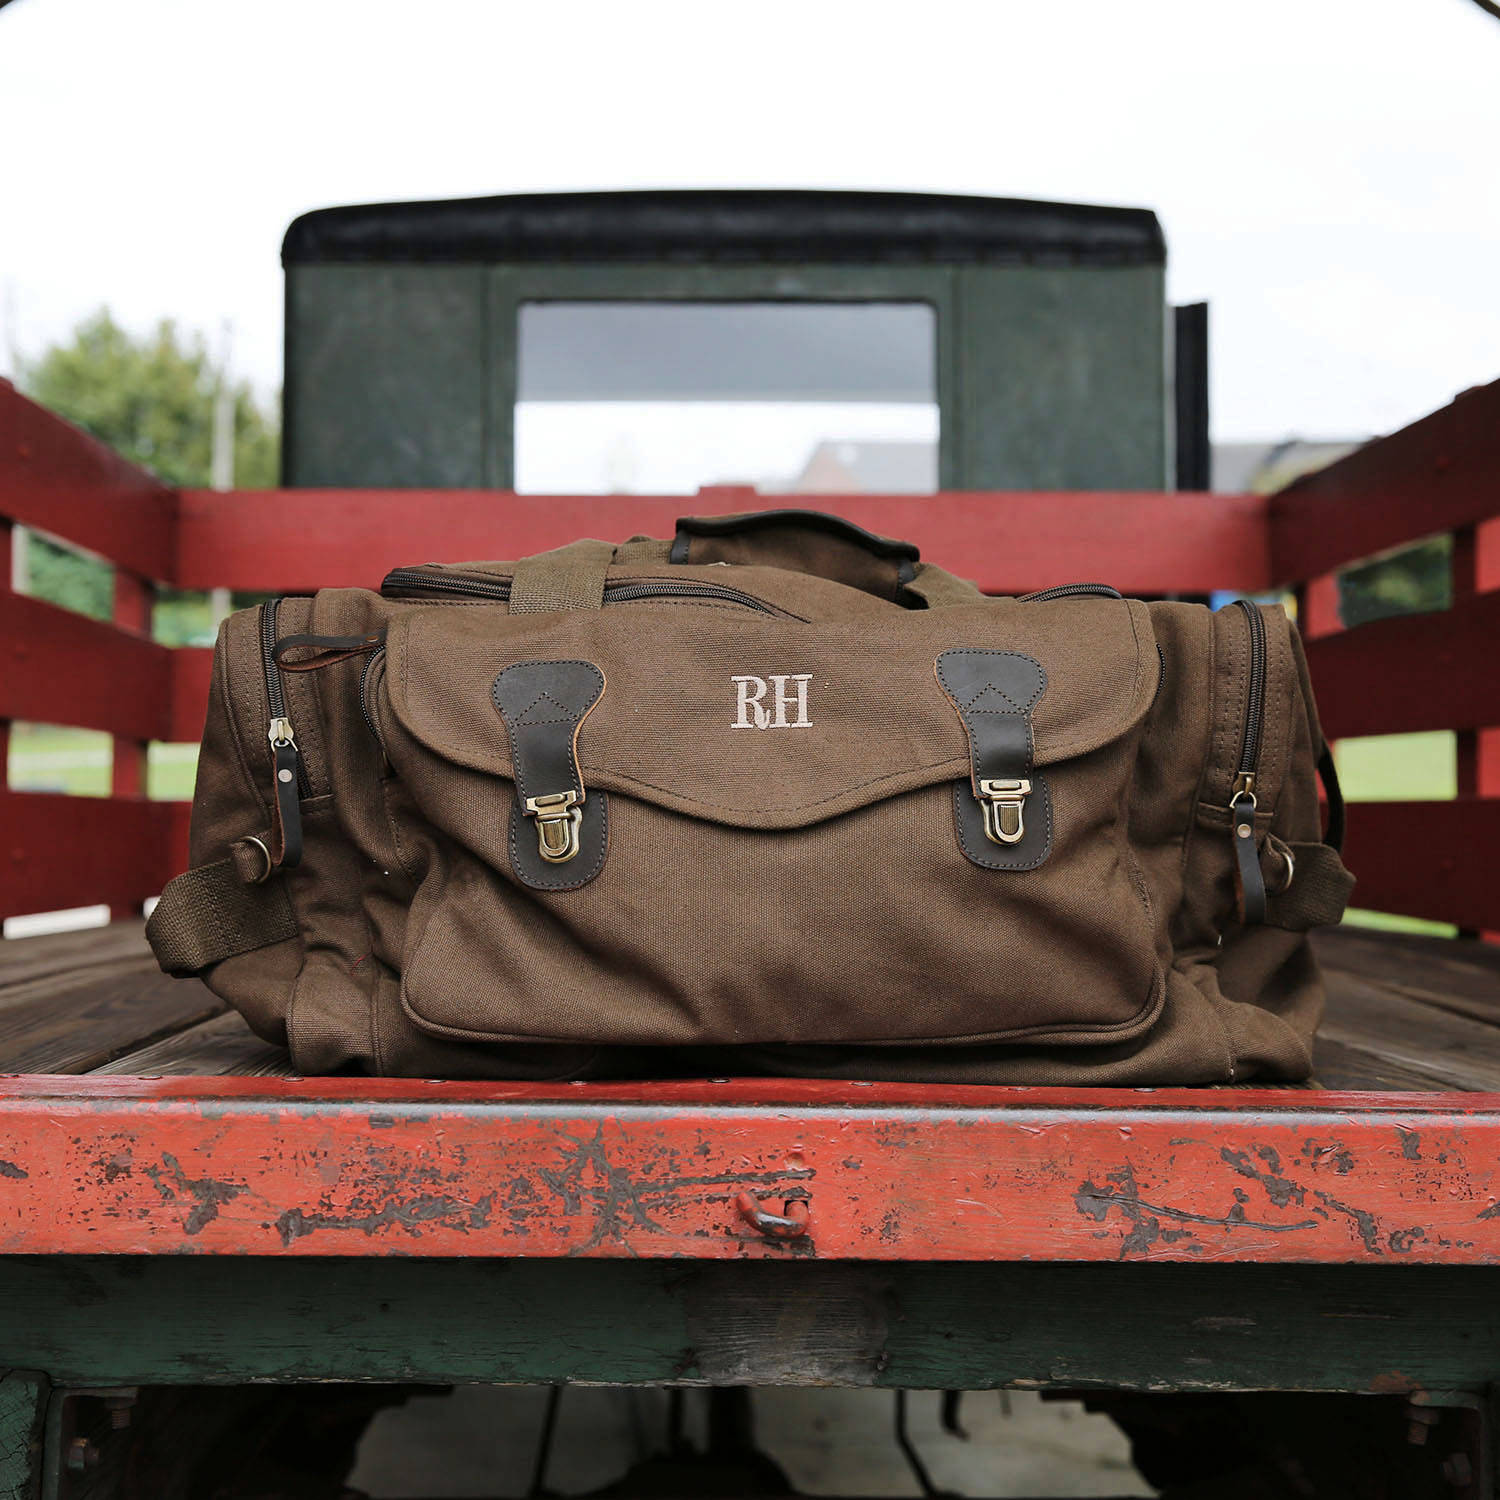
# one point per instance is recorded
(1438, 474)
(1427, 859)
(301, 540)
(372, 1167)
(1435, 671)
(59, 479)
(192, 670)
(65, 668)
(58, 851)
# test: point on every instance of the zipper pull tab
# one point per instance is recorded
(1251, 882)
(285, 802)
(1004, 803)
(558, 816)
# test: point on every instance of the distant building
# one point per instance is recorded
(869, 468)
(1260, 468)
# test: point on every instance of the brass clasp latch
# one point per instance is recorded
(558, 817)
(1004, 801)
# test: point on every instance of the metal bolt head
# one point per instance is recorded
(82, 1454)
(1457, 1469)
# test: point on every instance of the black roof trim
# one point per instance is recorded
(738, 225)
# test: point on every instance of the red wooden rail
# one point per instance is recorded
(1441, 474)
(243, 1166)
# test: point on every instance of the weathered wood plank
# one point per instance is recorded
(23, 1402)
(59, 479)
(1452, 1049)
(1453, 877)
(1411, 673)
(222, 1046)
(23, 959)
(1008, 542)
(99, 1320)
(1345, 1065)
(72, 1021)
(64, 851)
(1434, 475)
(371, 1167)
(1459, 975)
(65, 668)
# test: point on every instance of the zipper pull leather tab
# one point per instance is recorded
(286, 799)
(558, 817)
(1004, 803)
(1251, 882)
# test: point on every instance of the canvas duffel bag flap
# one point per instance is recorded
(778, 833)
(776, 788)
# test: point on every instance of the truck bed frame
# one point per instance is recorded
(176, 1209)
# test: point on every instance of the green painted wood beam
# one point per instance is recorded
(189, 1320)
(23, 1400)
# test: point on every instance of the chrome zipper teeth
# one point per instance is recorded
(1072, 591)
(364, 692)
(401, 580)
(620, 593)
(275, 694)
(1255, 710)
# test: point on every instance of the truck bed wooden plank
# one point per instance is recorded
(74, 1001)
(96, 1321)
(219, 1047)
(241, 1166)
(1007, 542)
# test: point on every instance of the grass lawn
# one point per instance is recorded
(47, 758)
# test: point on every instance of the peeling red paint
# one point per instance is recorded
(895, 1171)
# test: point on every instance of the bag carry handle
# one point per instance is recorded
(804, 541)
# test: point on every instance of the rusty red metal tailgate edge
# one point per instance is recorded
(247, 1166)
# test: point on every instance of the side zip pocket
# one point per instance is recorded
(289, 777)
(1242, 803)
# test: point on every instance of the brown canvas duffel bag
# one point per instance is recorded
(774, 796)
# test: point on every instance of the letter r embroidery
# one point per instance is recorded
(750, 691)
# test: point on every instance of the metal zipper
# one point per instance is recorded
(405, 582)
(1255, 708)
(364, 692)
(1242, 803)
(1073, 591)
(279, 731)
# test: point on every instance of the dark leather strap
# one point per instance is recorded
(1334, 837)
(543, 705)
(994, 693)
(211, 913)
(286, 829)
(328, 650)
(1249, 880)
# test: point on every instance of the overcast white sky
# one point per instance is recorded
(1326, 170)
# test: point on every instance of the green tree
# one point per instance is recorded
(152, 400)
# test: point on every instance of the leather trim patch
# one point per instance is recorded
(543, 705)
(994, 693)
